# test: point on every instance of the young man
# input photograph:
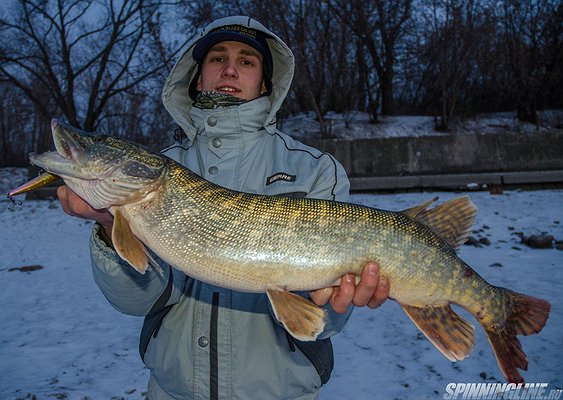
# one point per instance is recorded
(207, 342)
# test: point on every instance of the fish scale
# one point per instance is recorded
(276, 245)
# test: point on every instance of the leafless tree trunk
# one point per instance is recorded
(79, 54)
(378, 25)
(529, 33)
(15, 126)
(450, 52)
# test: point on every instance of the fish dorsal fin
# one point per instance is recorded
(451, 220)
(127, 245)
(414, 211)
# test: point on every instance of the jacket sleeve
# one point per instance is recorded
(332, 184)
(126, 289)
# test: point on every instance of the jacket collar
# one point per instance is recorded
(232, 120)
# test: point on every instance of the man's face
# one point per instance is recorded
(234, 68)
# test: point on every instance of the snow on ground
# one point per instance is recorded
(61, 339)
(356, 125)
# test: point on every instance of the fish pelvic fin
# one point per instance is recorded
(451, 220)
(127, 245)
(301, 318)
(451, 334)
(528, 316)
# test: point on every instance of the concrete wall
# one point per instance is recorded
(451, 154)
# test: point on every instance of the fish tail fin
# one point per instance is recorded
(450, 333)
(528, 316)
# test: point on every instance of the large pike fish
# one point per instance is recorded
(270, 244)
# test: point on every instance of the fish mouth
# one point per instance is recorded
(70, 144)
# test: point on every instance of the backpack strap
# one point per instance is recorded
(154, 317)
(319, 352)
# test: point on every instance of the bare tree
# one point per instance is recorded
(450, 52)
(101, 64)
(378, 25)
(311, 34)
(533, 39)
(73, 57)
(15, 116)
(554, 64)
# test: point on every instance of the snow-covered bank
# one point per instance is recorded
(61, 339)
(356, 125)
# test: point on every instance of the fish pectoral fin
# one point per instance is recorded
(451, 220)
(301, 318)
(127, 245)
(451, 334)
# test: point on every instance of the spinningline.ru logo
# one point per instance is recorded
(492, 391)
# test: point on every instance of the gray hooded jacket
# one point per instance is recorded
(214, 342)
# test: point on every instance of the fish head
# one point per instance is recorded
(105, 171)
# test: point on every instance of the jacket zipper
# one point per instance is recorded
(213, 351)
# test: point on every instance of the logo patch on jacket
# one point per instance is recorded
(280, 176)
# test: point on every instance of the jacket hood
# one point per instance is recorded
(175, 94)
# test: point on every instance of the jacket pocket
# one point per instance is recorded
(319, 353)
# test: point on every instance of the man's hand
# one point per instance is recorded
(74, 205)
(371, 291)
